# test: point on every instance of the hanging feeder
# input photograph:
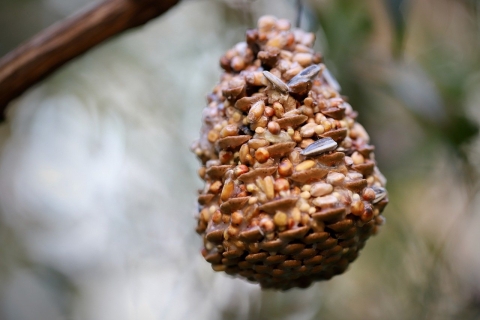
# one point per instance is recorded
(292, 191)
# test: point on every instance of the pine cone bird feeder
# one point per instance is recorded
(292, 191)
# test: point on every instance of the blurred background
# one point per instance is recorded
(97, 184)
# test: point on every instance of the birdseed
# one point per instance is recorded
(292, 191)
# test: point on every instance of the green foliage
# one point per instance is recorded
(431, 86)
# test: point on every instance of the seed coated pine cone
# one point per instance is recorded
(292, 191)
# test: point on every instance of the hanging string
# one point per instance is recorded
(245, 6)
(248, 13)
(246, 10)
(299, 13)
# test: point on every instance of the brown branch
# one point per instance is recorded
(67, 39)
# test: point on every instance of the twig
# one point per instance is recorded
(67, 39)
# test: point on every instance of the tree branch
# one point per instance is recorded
(67, 39)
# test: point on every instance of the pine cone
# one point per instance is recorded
(292, 191)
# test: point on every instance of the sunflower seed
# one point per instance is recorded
(380, 193)
(276, 82)
(302, 82)
(293, 121)
(338, 134)
(319, 147)
(311, 72)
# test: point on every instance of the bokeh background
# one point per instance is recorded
(97, 184)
